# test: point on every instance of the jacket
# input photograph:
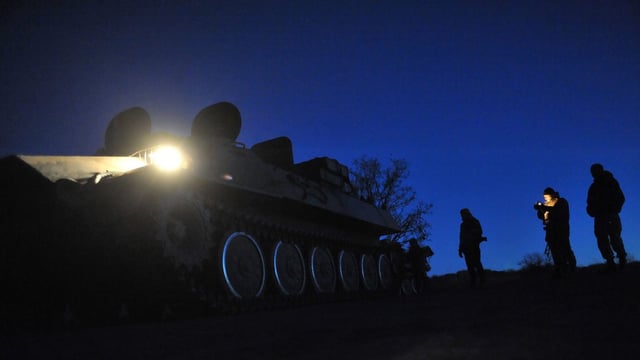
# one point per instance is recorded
(605, 198)
(470, 234)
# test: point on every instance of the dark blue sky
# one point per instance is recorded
(489, 102)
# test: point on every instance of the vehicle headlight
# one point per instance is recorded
(168, 158)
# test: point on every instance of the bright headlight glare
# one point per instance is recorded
(167, 158)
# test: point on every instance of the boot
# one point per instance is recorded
(611, 266)
(622, 262)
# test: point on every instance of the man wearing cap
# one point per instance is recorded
(604, 203)
(469, 246)
(554, 213)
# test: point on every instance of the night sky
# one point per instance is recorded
(490, 102)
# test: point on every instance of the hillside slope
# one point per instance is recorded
(515, 315)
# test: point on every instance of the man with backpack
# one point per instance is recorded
(604, 203)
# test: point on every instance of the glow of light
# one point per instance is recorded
(167, 158)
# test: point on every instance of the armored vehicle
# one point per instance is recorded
(156, 225)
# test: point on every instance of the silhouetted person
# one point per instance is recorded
(554, 213)
(470, 239)
(604, 203)
(417, 257)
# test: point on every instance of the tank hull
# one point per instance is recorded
(144, 244)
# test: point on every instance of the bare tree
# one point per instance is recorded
(383, 186)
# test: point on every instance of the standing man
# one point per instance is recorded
(470, 239)
(417, 257)
(554, 213)
(604, 203)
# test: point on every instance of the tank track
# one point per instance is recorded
(263, 263)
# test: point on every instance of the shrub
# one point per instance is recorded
(534, 261)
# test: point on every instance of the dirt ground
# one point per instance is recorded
(588, 315)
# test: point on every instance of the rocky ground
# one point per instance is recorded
(515, 315)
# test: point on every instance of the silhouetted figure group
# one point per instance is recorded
(604, 203)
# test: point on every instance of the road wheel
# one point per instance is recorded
(348, 271)
(289, 268)
(369, 272)
(323, 270)
(385, 272)
(243, 266)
